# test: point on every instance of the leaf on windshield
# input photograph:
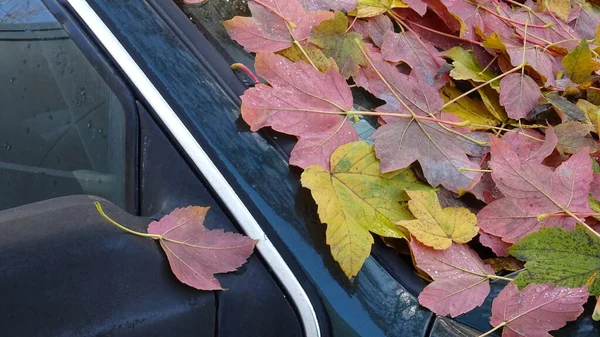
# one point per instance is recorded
(355, 199)
(407, 47)
(460, 278)
(275, 25)
(435, 226)
(338, 44)
(303, 102)
(537, 309)
(560, 257)
(336, 5)
(534, 193)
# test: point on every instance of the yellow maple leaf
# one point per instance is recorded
(580, 63)
(561, 8)
(355, 198)
(467, 108)
(370, 8)
(435, 226)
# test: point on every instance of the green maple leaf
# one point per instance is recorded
(466, 67)
(555, 255)
(341, 46)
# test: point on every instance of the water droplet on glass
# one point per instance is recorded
(12, 80)
(28, 130)
(50, 116)
(89, 125)
(7, 146)
(99, 130)
(82, 92)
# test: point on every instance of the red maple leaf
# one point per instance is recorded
(196, 253)
(534, 193)
(275, 25)
(303, 102)
(537, 309)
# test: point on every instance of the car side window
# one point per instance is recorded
(62, 129)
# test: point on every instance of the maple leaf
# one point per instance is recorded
(592, 113)
(467, 108)
(371, 8)
(275, 25)
(196, 253)
(560, 257)
(530, 145)
(491, 100)
(297, 103)
(309, 54)
(532, 192)
(460, 278)
(585, 20)
(574, 137)
(374, 28)
(466, 67)
(543, 63)
(418, 6)
(355, 198)
(519, 94)
(561, 8)
(543, 29)
(579, 63)
(341, 46)
(565, 109)
(441, 151)
(536, 310)
(495, 243)
(407, 48)
(336, 5)
(435, 226)
(504, 263)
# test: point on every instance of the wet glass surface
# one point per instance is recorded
(61, 126)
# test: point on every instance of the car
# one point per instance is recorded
(133, 104)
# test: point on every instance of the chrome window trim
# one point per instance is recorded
(206, 166)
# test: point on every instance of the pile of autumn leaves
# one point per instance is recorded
(492, 98)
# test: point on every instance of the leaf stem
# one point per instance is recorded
(146, 235)
(399, 21)
(496, 277)
(297, 44)
(483, 85)
(494, 329)
(488, 65)
(474, 170)
(242, 67)
(351, 25)
(581, 222)
(505, 19)
(444, 34)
